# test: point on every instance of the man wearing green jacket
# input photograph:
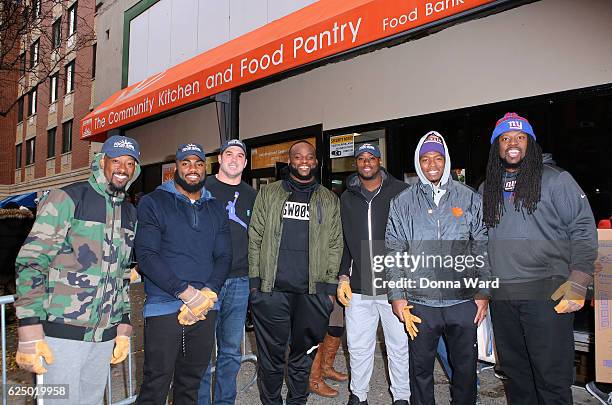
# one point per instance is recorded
(295, 247)
(73, 274)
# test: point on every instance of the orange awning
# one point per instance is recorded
(322, 29)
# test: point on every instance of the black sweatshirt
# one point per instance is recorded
(238, 201)
(292, 266)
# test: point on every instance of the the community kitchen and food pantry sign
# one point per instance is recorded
(322, 29)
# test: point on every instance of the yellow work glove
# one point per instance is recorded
(122, 343)
(32, 348)
(195, 308)
(572, 297)
(410, 321)
(134, 275)
(344, 292)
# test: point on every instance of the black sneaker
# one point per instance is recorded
(604, 397)
(354, 400)
(401, 402)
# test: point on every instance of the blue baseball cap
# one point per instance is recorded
(118, 145)
(233, 142)
(368, 147)
(190, 149)
(512, 122)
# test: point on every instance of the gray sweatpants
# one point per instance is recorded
(362, 318)
(84, 366)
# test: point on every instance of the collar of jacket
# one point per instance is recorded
(170, 187)
(100, 184)
(428, 188)
(353, 182)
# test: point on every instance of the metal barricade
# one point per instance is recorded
(4, 300)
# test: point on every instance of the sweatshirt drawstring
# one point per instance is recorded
(183, 342)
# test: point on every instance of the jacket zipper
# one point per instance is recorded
(195, 216)
(370, 223)
(101, 304)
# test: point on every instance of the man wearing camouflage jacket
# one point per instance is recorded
(73, 276)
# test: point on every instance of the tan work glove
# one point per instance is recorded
(572, 297)
(32, 348)
(344, 292)
(122, 343)
(134, 275)
(410, 321)
(197, 304)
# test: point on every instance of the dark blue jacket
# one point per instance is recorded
(180, 243)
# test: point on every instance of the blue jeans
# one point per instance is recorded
(232, 307)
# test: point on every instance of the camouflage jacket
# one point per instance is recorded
(73, 269)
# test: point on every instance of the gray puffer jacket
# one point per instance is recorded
(446, 221)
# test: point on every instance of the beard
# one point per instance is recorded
(294, 171)
(115, 190)
(190, 188)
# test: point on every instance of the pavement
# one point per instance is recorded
(491, 390)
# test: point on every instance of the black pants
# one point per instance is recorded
(456, 323)
(287, 319)
(535, 347)
(176, 353)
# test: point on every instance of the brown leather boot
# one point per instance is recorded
(331, 345)
(316, 384)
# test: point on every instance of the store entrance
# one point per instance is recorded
(261, 177)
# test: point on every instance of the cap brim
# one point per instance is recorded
(118, 154)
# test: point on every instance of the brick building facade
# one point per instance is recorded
(39, 144)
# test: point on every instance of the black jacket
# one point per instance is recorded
(364, 227)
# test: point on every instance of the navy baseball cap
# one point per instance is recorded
(368, 147)
(233, 142)
(189, 149)
(118, 145)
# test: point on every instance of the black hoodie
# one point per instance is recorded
(364, 221)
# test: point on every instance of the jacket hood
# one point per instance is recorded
(547, 159)
(447, 161)
(99, 182)
(170, 187)
(353, 182)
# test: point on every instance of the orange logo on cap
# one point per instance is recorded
(457, 211)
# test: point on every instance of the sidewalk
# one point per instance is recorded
(491, 389)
